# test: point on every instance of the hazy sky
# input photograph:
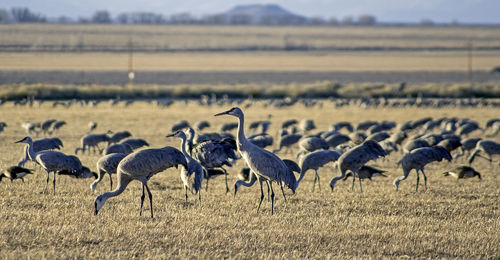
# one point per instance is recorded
(468, 11)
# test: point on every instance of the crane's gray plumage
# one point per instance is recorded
(118, 136)
(266, 165)
(41, 145)
(191, 183)
(107, 164)
(261, 140)
(336, 140)
(415, 144)
(202, 125)
(118, 148)
(180, 125)
(355, 158)
(357, 137)
(141, 166)
(216, 154)
(288, 123)
(307, 125)
(365, 172)
(135, 143)
(52, 161)
(485, 146)
(287, 141)
(417, 159)
(92, 140)
(378, 136)
(313, 143)
(314, 161)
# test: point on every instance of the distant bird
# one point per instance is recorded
(212, 173)
(92, 126)
(417, 159)
(266, 165)
(46, 125)
(56, 126)
(356, 158)
(461, 172)
(289, 123)
(141, 166)
(316, 160)
(485, 146)
(468, 145)
(202, 125)
(92, 140)
(107, 164)
(450, 144)
(180, 125)
(366, 172)
(287, 141)
(118, 136)
(216, 154)
(2, 126)
(15, 172)
(363, 126)
(135, 143)
(192, 176)
(312, 143)
(307, 125)
(51, 161)
(31, 127)
(468, 128)
(340, 125)
(357, 137)
(415, 144)
(378, 136)
(228, 127)
(261, 140)
(336, 140)
(118, 148)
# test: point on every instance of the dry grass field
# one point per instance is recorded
(453, 219)
(251, 61)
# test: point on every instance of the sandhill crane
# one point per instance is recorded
(336, 140)
(141, 166)
(31, 127)
(378, 136)
(266, 165)
(357, 137)
(118, 148)
(15, 172)
(107, 164)
(261, 140)
(51, 161)
(365, 172)
(247, 178)
(417, 159)
(468, 145)
(56, 125)
(414, 144)
(485, 146)
(340, 125)
(468, 128)
(193, 167)
(314, 161)
(287, 141)
(180, 125)
(92, 140)
(46, 125)
(135, 143)
(2, 126)
(461, 172)
(355, 158)
(398, 137)
(306, 125)
(216, 154)
(118, 136)
(41, 145)
(363, 126)
(311, 144)
(288, 123)
(228, 127)
(202, 125)
(92, 126)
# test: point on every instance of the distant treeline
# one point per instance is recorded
(25, 15)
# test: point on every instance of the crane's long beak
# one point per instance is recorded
(222, 113)
(20, 141)
(170, 135)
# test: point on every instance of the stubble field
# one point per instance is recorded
(451, 219)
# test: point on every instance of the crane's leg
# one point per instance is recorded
(425, 179)
(199, 196)
(110, 182)
(261, 196)
(225, 176)
(272, 197)
(186, 194)
(142, 200)
(314, 182)
(267, 191)
(206, 184)
(360, 186)
(282, 191)
(150, 199)
(418, 179)
(54, 183)
(47, 181)
(353, 180)
(317, 176)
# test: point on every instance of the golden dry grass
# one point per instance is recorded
(252, 61)
(453, 219)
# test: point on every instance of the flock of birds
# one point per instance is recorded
(203, 156)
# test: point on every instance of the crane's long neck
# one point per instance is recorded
(302, 174)
(99, 178)
(183, 147)
(240, 138)
(30, 151)
(123, 182)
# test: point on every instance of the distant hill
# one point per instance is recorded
(269, 14)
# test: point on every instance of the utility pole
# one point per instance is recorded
(469, 63)
(131, 74)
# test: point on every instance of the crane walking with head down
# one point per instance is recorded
(266, 165)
